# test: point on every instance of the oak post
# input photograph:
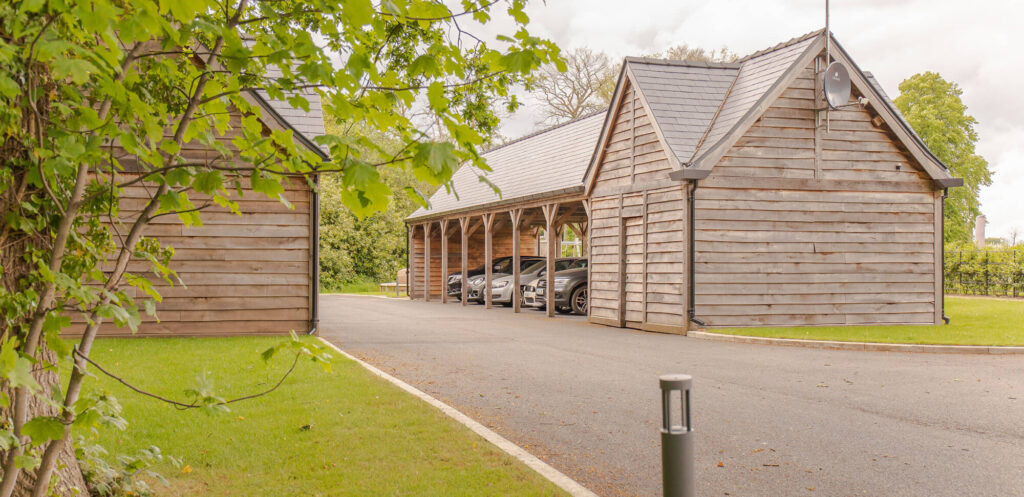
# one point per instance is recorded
(464, 223)
(517, 216)
(551, 230)
(426, 262)
(444, 261)
(488, 257)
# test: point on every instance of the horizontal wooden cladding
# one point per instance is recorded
(791, 268)
(747, 309)
(269, 255)
(811, 236)
(240, 242)
(811, 225)
(252, 268)
(816, 298)
(245, 206)
(810, 247)
(819, 319)
(825, 285)
(810, 184)
(201, 328)
(229, 230)
(804, 278)
(272, 314)
(814, 257)
(772, 195)
(826, 211)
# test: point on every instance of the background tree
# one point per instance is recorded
(88, 87)
(696, 54)
(576, 91)
(934, 109)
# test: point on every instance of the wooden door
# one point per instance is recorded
(631, 272)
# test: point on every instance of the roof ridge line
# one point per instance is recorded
(542, 131)
(686, 63)
(780, 46)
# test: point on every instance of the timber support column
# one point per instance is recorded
(488, 257)
(444, 261)
(517, 216)
(410, 282)
(551, 230)
(464, 224)
(426, 262)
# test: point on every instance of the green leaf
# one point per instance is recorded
(26, 462)
(439, 157)
(207, 181)
(31, 5)
(42, 429)
(77, 69)
(424, 65)
(435, 96)
(17, 369)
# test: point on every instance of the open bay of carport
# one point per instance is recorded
(770, 421)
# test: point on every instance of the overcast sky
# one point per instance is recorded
(976, 44)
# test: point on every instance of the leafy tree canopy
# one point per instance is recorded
(100, 95)
(934, 109)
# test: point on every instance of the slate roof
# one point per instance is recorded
(305, 125)
(695, 106)
(549, 162)
(683, 96)
(757, 74)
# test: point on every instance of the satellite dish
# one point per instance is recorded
(837, 85)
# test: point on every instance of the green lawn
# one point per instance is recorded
(362, 435)
(362, 287)
(974, 321)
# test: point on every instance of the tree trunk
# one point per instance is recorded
(68, 473)
(14, 270)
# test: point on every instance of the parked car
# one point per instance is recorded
(571, 292)
(454, 284)
(501, 288)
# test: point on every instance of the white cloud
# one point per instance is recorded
(975, 44)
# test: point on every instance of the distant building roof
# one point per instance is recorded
(545, 163)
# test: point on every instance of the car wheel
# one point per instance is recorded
(579, 300)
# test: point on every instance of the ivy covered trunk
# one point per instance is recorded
(15, 273)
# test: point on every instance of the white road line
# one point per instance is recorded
(545, 470)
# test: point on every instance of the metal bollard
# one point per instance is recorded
(677, 473)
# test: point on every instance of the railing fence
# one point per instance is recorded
(985, 272)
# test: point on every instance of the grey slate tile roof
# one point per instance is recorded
(757, 73)
(546, 162)
(309, 124)
(683, 97)
(694, 104)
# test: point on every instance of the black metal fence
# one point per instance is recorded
(985, 272)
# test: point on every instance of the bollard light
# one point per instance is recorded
(677, 439)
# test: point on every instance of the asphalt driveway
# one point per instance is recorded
(770, 421)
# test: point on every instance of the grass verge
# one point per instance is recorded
(361, 287)
(974, 321)
(322, 433)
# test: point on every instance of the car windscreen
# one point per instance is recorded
(502, 266)
(534, 266)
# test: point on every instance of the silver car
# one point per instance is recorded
(501, 287)
(534, 296)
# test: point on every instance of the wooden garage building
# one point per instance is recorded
(539, 177)
(248, 274)
(721, 196)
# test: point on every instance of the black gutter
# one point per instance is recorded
(315, 307)
(408, 264)
(691, 283)
(942, 219)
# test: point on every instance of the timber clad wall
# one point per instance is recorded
(637, 238)
(245, 274)
(785, 238)
(501, 240)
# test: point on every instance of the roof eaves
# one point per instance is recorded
(491, 205)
